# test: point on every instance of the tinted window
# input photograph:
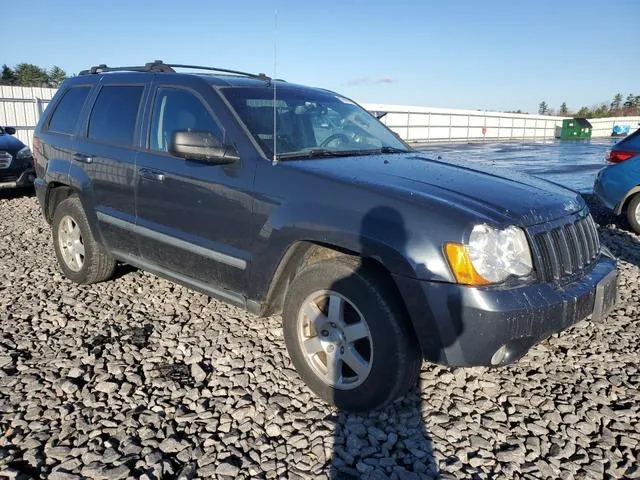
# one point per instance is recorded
(113, 118)
(67, 113)
(177, 109)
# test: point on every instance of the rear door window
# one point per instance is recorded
(67, 113)
(114, 114)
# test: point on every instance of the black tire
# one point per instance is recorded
(633, 213)
(97, 265)
(396, 359)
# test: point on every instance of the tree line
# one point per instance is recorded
(619, 107)
(29, 75)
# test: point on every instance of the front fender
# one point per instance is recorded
(379, 234)
(382, 233)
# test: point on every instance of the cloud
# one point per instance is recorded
(371, 80)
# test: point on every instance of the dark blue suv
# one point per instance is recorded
(287, 199)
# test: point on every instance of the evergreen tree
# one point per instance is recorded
(29, 75)
(56, 76)
(564, 111)
(617, 102)
(584, 112)
(630, 102)
(8, 76)
(543, 108)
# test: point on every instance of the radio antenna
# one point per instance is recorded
(274, 161)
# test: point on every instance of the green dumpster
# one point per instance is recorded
(575, 128)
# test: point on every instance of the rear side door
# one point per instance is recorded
(106, 152)
(56, 134)
(193, 219)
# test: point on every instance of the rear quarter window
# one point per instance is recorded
(631, 141)
(114, 114)
(66, 115)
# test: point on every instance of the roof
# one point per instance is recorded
(221, 77)
(218, 77)
(583, 122)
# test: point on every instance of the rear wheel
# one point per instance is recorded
(348, 336)
(80, 257)
(633, 212)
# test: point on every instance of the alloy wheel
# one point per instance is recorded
(335, 340)
(71, 244)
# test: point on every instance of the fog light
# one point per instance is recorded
(499, 356)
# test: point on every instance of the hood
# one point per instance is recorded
(498, 194)
(10, 143)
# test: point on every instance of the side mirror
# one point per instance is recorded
(201, 147)
(10, 130)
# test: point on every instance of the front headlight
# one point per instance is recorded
(23, 153)
(491, 256)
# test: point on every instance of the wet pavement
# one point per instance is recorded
(571, 163)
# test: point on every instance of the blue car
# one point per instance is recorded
(617, 185)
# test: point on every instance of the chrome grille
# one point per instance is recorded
(566, 249)
(5, 159)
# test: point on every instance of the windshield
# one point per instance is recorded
(310, 123)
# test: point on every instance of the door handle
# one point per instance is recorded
(79, 157)
(151, 175)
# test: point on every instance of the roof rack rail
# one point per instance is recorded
(160, 66)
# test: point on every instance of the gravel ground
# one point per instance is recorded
(139, 377)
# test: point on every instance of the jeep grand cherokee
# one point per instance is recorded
(282, 198)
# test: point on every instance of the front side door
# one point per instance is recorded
(193, 218)
(106, 152)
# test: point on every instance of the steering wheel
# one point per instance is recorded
(332, 138)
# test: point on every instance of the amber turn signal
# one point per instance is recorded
(461, 265)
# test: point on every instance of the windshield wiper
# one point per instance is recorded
(318, 152)
(323, 152)
(388, 149)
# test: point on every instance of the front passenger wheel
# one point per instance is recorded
(348, 335)
(80, 257)
(633, 213)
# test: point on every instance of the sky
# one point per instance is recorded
(483, 54)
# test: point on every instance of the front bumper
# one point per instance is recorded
(24, 178)
(466, 326)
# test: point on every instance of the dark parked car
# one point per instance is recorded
(16, 161)
(617, 185)
(304, 204)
